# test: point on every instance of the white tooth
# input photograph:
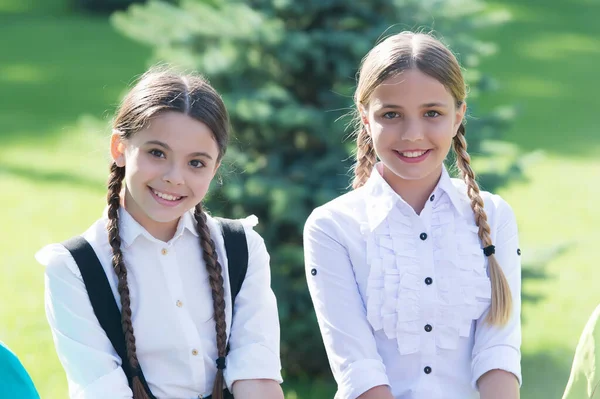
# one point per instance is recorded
(166, 196)
(413, 154)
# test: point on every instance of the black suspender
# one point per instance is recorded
(105, 306)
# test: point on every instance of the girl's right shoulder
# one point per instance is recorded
(57, 259)
(344, 212)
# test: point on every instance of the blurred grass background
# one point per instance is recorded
(55, 103)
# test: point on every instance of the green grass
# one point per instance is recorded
(62, 75)
(547, 65)
(60, 79)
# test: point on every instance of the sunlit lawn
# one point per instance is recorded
(548, 67)
(61, 76)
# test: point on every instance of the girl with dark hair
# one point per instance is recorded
(166, 263)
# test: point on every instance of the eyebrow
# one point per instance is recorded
(427, 105)
(166, 147)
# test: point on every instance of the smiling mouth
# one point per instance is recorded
(412, 154)
(166, 196)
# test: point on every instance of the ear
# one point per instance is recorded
(117, 149)
(364, 117)
(217, 165)
(459, 116)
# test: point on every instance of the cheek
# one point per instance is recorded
(381, 133)
(201, 183)
(140, 167)
(442, 130)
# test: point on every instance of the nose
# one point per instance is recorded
(173, 176)
(413, 130)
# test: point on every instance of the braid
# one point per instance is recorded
(501, 296)
(365, 158)
(115, 182)
(215, 273)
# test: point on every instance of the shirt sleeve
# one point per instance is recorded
(498, 347)
(341, 313)
(92, 366)
(584, 380)
(254, 336)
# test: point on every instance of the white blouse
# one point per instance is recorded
(401, 298)
(172, 314)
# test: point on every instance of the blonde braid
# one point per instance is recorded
(365, 158)
(501, 305)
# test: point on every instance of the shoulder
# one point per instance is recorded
(57, 260)
(343, 212)
(497, 209)
(7, 357)
(253, 238)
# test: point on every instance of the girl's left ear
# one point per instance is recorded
(117, 149)
(460, 116)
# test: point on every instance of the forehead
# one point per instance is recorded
(411, 87)
(179, 131)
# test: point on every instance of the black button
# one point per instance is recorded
(432, 197)
(428, 281)
(519, 251)
(423, 236)
(313, 272)
(427, 370)
(428, 328)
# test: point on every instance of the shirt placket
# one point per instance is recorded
(428, 304)
(173, 280)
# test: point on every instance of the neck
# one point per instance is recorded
(163, 231)
(414, 192)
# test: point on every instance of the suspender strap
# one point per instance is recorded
(103, 301)
(104, 304)
(236, 247)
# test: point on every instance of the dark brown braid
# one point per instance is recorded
(365, 158)
(159, 90)
(117, 174)
(501, 296)
(215, 273)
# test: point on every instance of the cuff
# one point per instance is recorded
(112, 385)
(359, 377)
(502, 357)
(252, 362)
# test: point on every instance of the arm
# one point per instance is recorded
(257, 389)
(584, 381)
(341, 313)
(496, 360)
(253, 365)
(380, 392)
(91, 364)
(498, 384)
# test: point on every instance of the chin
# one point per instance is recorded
(415, 172)
(168, 216)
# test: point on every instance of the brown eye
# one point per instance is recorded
(196, 164)
(157, 153)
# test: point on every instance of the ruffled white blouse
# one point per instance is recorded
(401, 298)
